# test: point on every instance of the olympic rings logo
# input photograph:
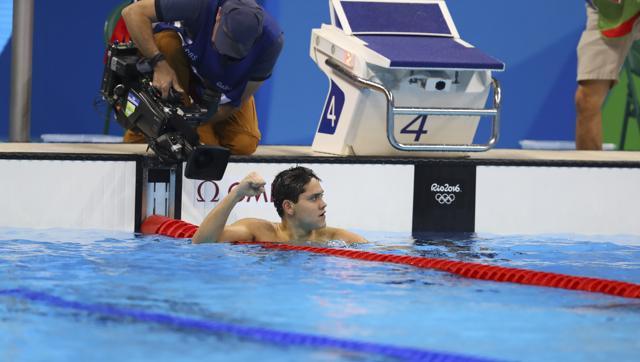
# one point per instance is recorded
(447, 199)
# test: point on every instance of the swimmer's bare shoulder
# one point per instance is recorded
(250, 229)
(253, 229)
(342, 234)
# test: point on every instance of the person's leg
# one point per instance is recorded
(599, 62)
(240, 133)
(170, 45)
(590, 97)
(207, 135)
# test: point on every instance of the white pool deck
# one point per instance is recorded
(303, 151)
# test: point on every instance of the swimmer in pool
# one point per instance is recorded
(298, 198)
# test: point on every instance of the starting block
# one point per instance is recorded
(401, 79)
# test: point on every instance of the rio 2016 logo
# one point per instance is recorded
(445, 194)
(210, 191)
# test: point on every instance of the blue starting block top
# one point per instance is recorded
(381, 17)
(429, 52)
(411, 35)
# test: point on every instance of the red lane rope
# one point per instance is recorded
(180, 229)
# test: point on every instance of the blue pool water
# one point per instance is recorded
(69, 295)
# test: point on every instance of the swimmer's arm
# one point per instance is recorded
(213, 227)
(241, 230)
(347, 236)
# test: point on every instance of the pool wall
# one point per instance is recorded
(68, 194)
(504, 192)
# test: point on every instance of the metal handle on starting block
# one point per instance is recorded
(392, 110)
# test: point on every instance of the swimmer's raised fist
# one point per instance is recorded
(251, 185)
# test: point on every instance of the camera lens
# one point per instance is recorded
(120, 90)
(440, 85)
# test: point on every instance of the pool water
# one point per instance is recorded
(104, 296)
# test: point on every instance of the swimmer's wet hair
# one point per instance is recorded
(289, 184)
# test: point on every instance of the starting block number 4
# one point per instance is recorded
(417, 131)
(332, 110)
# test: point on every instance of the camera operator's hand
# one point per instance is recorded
(164, 78)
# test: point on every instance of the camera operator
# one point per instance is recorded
(217, 51)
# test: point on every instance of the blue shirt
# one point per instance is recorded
(197, 19)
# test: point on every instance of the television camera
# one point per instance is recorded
(167, 124)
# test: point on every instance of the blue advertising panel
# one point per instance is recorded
(538, 85)
(332, 110)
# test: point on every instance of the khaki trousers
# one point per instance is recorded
(239, 133)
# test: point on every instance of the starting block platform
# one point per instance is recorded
(401, 80)
(115, 186)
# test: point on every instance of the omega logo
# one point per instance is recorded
(209, 191)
